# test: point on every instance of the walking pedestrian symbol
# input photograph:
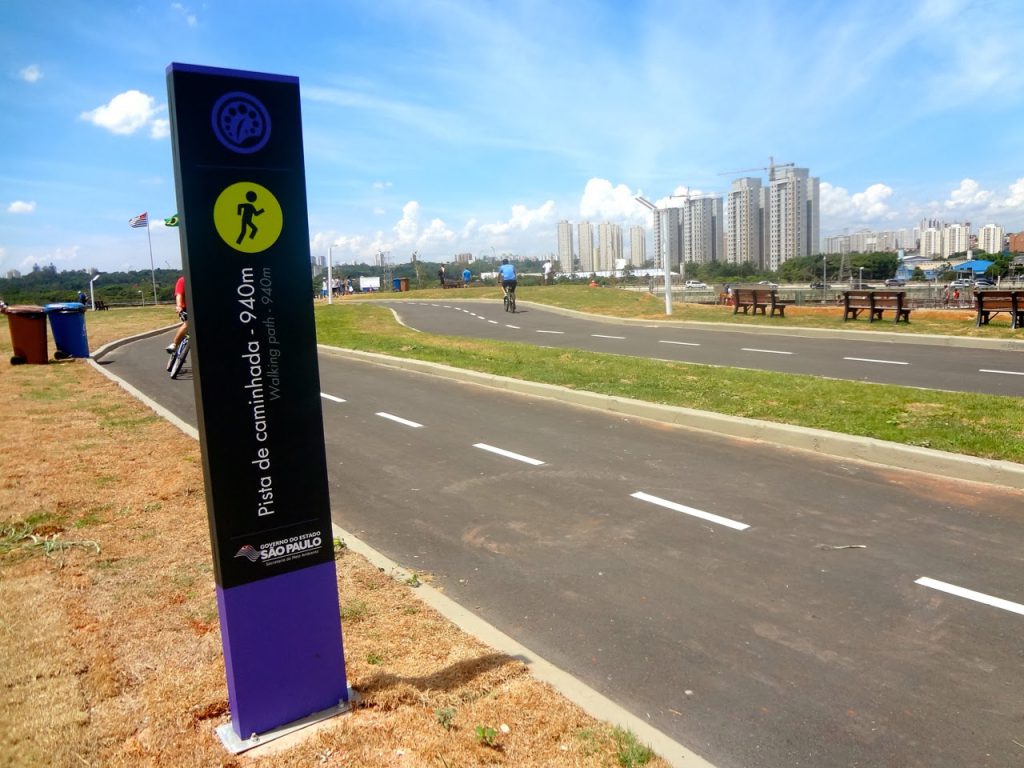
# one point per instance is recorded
(248, 217)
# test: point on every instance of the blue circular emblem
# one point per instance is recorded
(241, 122)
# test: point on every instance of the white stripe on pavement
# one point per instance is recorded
(690, 511)
(550, 331)
(602, 336)
(766, 351)
(970, 594)
(512, 326)
(332, 398)
(871, 360)
(1007, 373)
(508, 454)
(398, 419)
(680, 343)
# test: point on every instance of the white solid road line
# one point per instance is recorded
(970, 594)
(493, 322)
(398, 419)
(508, 454)
(870, 360)
(1006, 373)
(512, 326)
(560, 332)
(332, 398)
(690, 511)
(602, 336)
(766, 351)
(680, 343)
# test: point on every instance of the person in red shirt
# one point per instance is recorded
(182, 309)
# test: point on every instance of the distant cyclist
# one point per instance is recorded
(182, 308)
(507, 275)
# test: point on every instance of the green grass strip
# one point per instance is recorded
(986, 426)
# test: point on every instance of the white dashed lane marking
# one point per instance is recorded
(398, 419)
(508, 454)
(690, 511)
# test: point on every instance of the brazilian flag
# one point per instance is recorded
(172, 221)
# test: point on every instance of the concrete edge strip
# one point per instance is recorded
(595, 704)
(866, 449)
(592, 702)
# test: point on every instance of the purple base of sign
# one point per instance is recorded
(282, 648)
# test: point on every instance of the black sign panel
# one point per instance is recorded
(245, 247)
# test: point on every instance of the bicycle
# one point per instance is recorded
(180, 353)
(510, 299)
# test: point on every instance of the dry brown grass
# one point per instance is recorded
(109, 632)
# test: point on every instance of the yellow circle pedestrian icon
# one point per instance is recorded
(248, 217)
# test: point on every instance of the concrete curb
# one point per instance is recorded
(908, 457)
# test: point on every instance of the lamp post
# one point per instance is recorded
(824, 277)
(330, 279)
(860, 279)
(92, 294)
(662, 252)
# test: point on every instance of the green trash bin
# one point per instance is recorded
(28, 333)
(67, 321)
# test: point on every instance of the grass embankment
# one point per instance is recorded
(977, 425)
(109, 632)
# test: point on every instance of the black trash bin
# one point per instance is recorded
(67, 321)
(28, 333)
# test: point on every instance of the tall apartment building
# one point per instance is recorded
(668, 237)
(610, 248)
(1016, 242)
(793, 216)
(585, 238)
(565, 254)
(744, 238)
(956, 238)
(637, 245)
(990, 238)
(703, 230)
(931, 243)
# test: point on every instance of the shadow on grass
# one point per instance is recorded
(448, 680)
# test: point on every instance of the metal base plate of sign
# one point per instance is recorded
(235, 745)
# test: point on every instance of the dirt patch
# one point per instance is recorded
(110, 634)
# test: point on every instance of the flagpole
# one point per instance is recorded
(152, 270)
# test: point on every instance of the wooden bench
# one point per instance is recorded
(763, 300)
(875, 303)
(100, 304)
(453, 283)
(991, 303)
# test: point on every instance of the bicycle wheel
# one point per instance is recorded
(179, 358)
(172, 357)
(512, 302)
(506, 302)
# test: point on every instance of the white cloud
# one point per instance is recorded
(31, 74)
(382, 185)
(160, 128)
(124, 114)
(603, 201)
(523, 219)
(968, 195)
(189, 16)
(871, 204)
(20, 206)
(1016, 198)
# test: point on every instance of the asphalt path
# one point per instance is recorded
(883, 361)
(762, 606)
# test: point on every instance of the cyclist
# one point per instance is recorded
(507, 276)
(182, 309)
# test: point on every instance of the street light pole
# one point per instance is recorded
(860, 279)
(663, 253)
(330, 279)
(92, 294)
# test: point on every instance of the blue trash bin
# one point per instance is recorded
(396, 284)
(67, 321)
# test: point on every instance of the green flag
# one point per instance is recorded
(172, 221)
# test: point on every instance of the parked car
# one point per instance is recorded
(695, 285)
(961, 284)
(821, 286)
(768, 284)
(895, 282)
(984, 282)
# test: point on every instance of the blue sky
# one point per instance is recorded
(442, 127)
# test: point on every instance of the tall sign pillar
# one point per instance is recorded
(239, 169)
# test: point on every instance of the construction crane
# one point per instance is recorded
(772, 165)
